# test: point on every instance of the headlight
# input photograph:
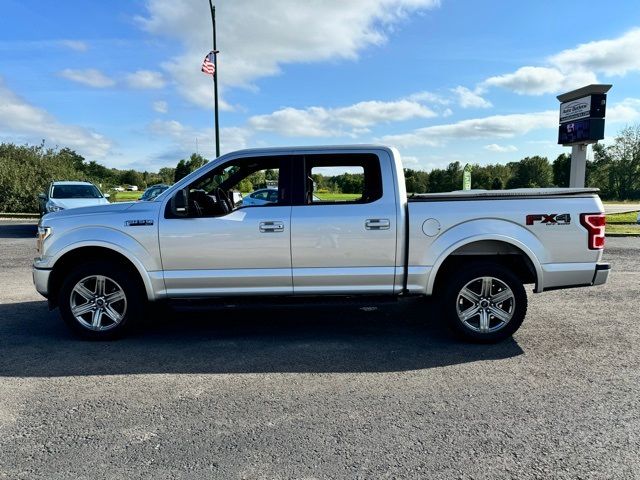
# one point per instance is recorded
(43, 234)
(54, 208)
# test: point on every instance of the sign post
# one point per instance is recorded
(582, 113)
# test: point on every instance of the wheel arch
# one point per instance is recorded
(84, 253)
(499, 248)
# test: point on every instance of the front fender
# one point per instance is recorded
(145, 261)
(480, 230)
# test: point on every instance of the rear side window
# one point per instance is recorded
(340, 179)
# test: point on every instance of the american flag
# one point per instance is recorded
(208, 66)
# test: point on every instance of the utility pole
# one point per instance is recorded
(215, 78)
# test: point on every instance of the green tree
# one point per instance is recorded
(616, 168)
(185, 167)
(497, 184)
(132, 177)
(166, 174)
(531, 172)
(245, 186)
(417, 181)
(181, 171)
(196, 161)
(561, 170)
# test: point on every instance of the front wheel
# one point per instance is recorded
(100, 300)
(484, 302)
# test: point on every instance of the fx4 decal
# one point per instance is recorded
(549, 219)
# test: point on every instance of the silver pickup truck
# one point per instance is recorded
(473, 250)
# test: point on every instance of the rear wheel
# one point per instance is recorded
(484, 302)
(100, 300)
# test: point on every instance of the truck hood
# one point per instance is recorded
(67, 203)
(107, 208)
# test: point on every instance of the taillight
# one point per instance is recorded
(594, 223)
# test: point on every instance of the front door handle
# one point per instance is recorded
(377, 224)
(271, 227)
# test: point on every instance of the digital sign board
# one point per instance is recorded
(587, 130)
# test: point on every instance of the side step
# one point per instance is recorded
(197, 304)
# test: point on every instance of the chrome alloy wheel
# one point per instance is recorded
(98, 303)
(485, 304)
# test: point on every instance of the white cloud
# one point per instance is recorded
(21, 121)
(469, 99)
(293, 122)
(184, 137)
(257, 37)
(540, 80)
(494, 147)
(575, 67)
(160, 106)
(145, 79)
(76, 45)
(503, 126)
(327, 122)
(495, 126)
(409, 160)
(90, 76)
(429, 97)
(628, 110)
(529, 80)
(616, 56)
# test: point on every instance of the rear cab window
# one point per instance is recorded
(341, 179)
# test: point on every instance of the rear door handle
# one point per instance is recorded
(377, 224)
(271, 227)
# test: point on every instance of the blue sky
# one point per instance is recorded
(447, 80)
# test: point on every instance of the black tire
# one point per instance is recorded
(118, 278)
(484, 327)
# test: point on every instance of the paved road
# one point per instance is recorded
(621, 207)
(323, 392)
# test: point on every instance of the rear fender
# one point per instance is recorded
(481, 230)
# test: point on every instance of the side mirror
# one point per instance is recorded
(180, 203)
(106, 195)
(42, 196)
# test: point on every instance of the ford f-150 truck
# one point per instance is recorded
(473, 250)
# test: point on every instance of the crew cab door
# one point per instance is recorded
(245, 251)
(343, 243)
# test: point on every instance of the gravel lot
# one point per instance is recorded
(333, 392)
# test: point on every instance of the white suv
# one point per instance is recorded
(65, 195)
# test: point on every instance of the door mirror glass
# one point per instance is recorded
(180, 203)
(42, 196)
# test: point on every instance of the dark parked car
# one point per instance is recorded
(153, 191)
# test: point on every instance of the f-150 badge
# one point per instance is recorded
(138, 223)
(549, 219)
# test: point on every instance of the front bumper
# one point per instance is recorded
(41, 280)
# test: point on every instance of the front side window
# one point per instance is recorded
(240, 183)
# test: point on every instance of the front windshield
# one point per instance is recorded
(75, 191)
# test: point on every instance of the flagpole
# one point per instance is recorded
(215, 78)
